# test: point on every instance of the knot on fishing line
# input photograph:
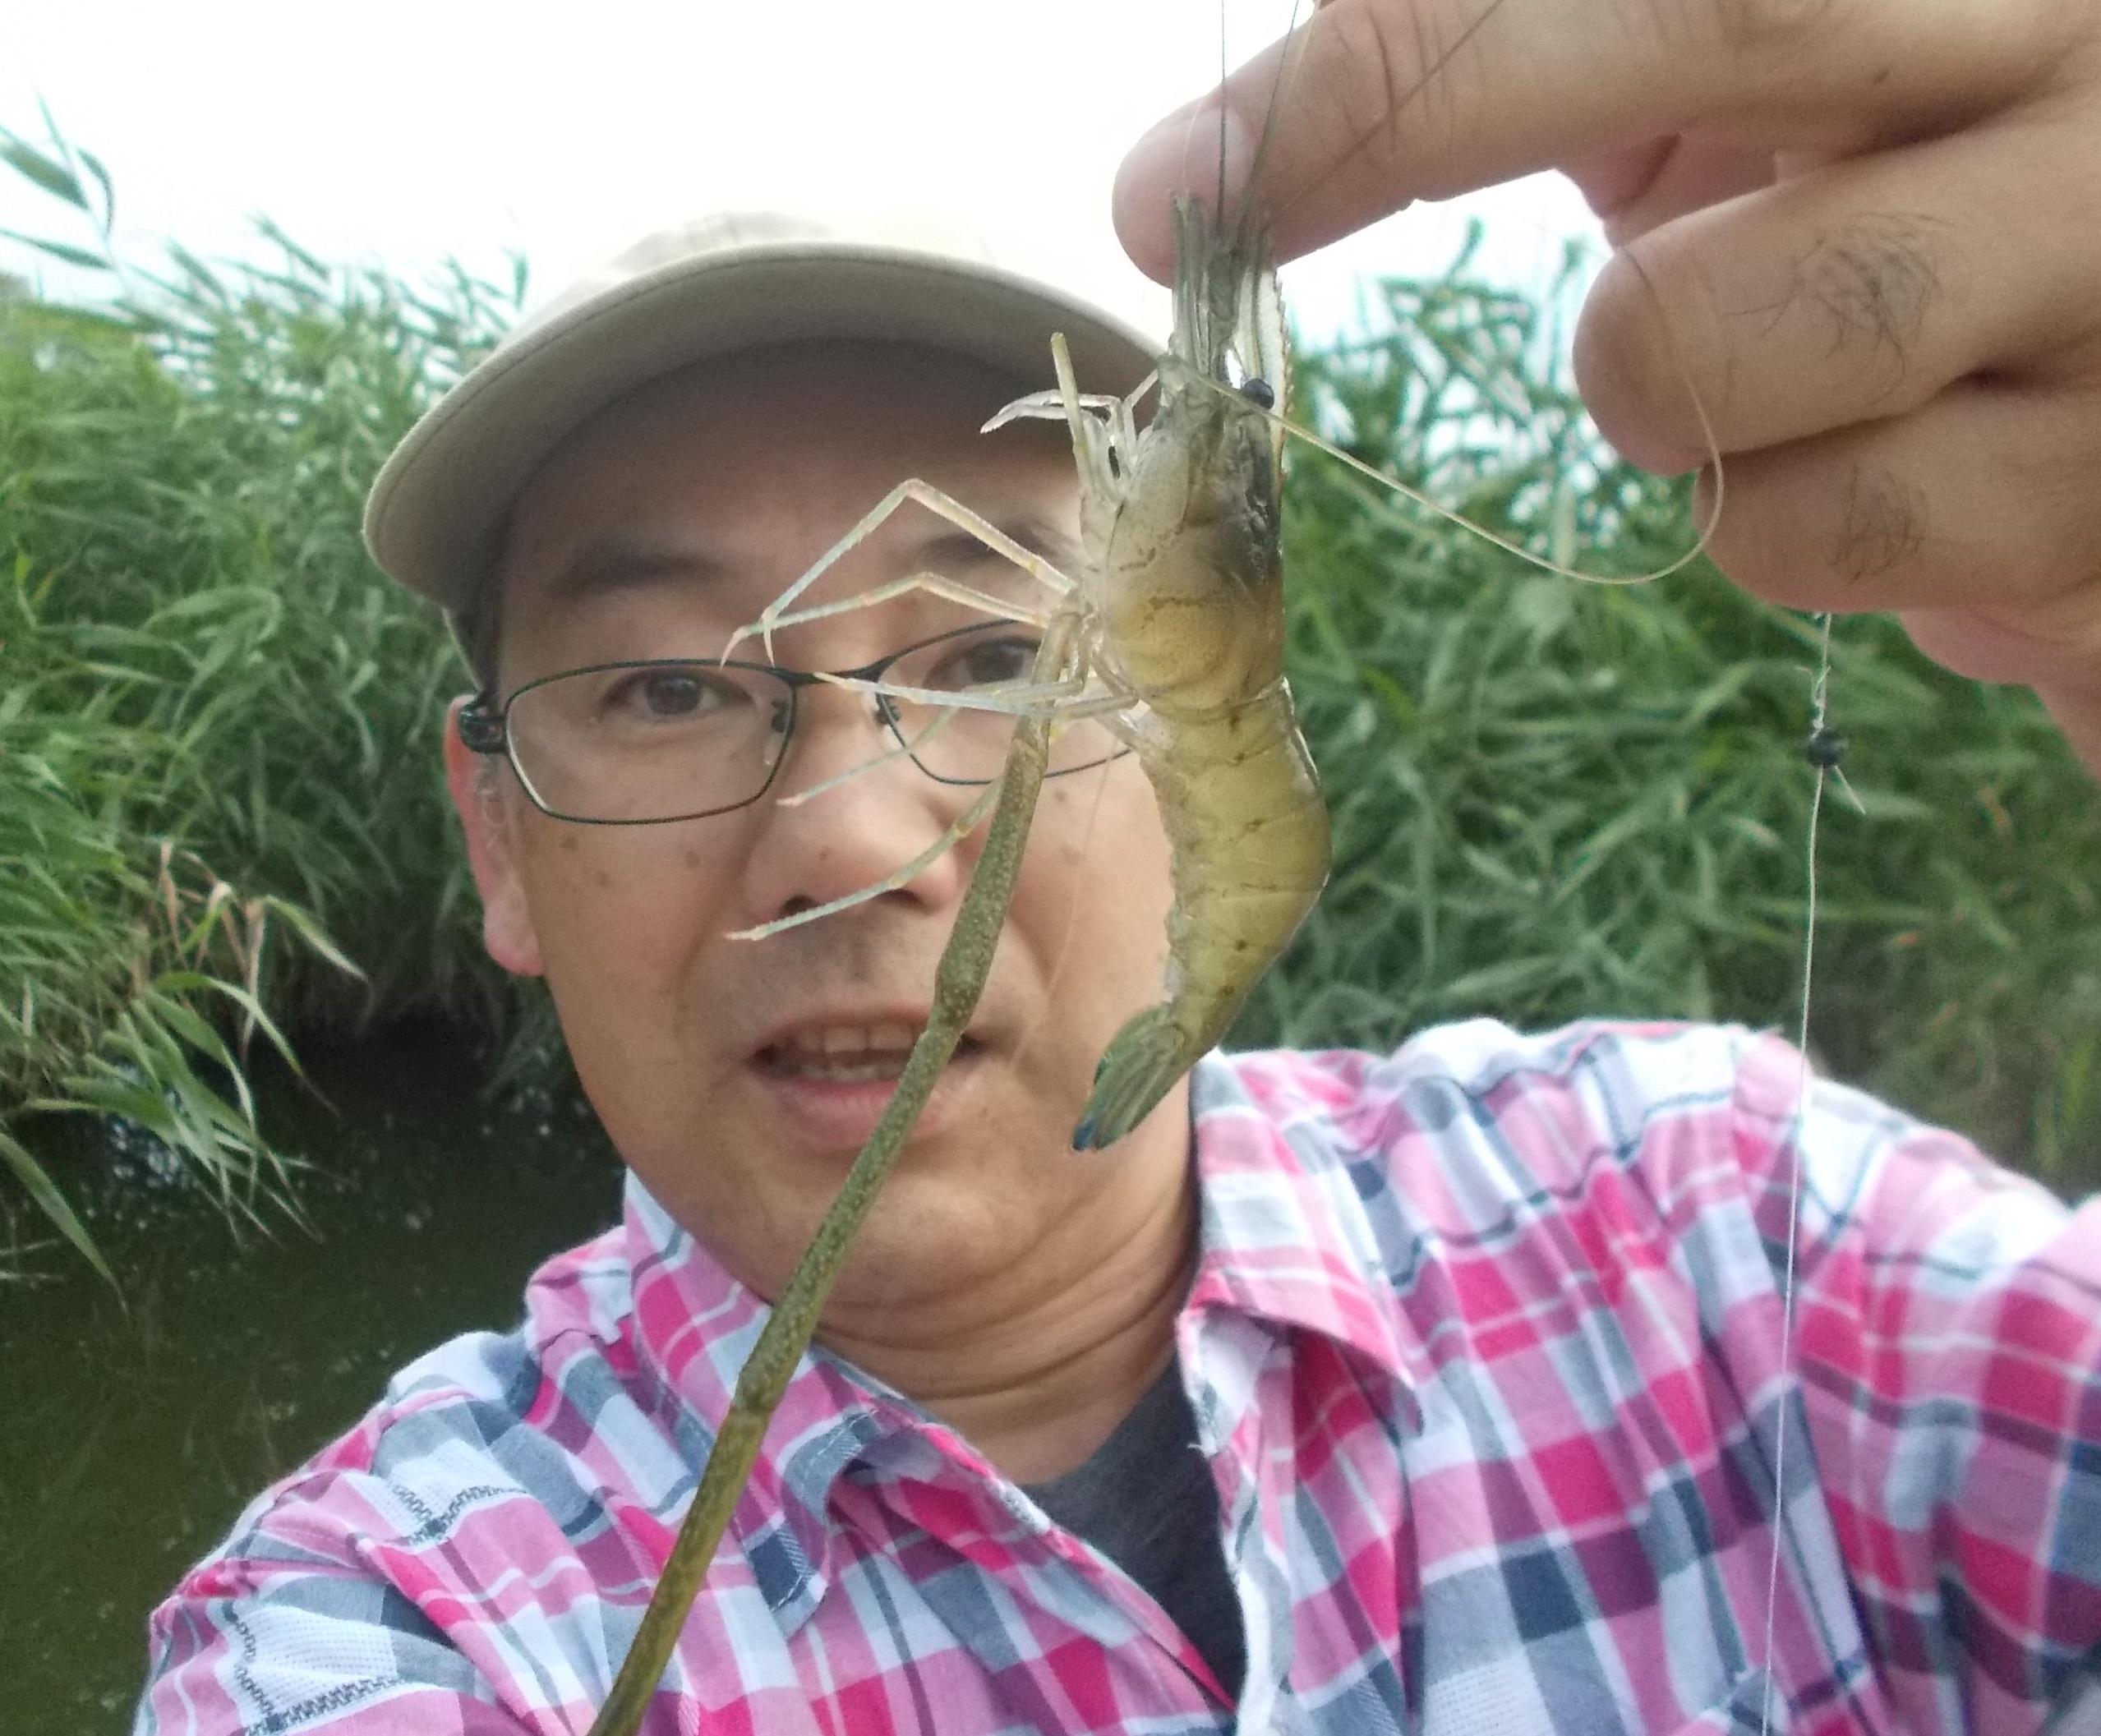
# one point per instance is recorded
(1824, 748)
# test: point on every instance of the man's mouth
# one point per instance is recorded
(846, 1054)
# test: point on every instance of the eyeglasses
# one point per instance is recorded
(647, 742)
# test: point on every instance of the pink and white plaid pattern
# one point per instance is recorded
(1484, 1347)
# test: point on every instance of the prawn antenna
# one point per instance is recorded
(1224, 69)
(1245, 231)
(1393, 485)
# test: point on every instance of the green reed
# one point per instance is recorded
(218, 721)
(222, 821)
(1553, 800)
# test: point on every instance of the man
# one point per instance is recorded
(1441, 1391)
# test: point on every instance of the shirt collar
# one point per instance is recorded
(694, 1326)
(1285, 1238)
(1284, 1241)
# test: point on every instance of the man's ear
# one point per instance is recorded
(476, 780)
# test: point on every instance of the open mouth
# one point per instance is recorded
(847, 1054)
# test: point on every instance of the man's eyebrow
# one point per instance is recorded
(614, 563)
(958, 547)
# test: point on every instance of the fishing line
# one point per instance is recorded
(1823, 750)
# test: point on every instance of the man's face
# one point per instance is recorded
(740, 1078)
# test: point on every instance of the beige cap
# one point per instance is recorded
(728, 283)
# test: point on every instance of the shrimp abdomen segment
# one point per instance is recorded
(1249, 834)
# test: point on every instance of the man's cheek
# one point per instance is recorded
(1098, 887)
(610, 923)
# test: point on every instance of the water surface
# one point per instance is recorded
(130, 1438)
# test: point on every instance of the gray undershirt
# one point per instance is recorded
(1145, 1499)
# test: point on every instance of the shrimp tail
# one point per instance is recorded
(1140, 1067)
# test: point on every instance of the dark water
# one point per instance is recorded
(129, 1438)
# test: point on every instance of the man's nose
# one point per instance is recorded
(873, 811)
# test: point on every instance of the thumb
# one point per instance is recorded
(1303, 127)
(1371, 104)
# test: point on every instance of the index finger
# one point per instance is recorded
(1383, 102)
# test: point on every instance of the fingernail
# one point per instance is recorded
(1183, 154)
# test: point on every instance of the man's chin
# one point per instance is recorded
(834, 1113)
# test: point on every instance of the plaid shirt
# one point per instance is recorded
(1484, 1347)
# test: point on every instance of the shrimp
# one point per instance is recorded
(1183, 595)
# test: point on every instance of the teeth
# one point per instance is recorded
(847, 1051)
(844, 1072)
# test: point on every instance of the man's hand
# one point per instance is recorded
(1869, 234)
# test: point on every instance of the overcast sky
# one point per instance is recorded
(398, 132)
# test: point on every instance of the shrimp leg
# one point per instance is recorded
(1017, 698)
(929, 584)
(903, 750)
(951, 836)
(1097, 705)
(1064, 701)
(1022, 698)
(943, 505)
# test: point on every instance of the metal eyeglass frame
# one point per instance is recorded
(484, 729)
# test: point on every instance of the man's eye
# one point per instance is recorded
(985, 663)
(655, 694)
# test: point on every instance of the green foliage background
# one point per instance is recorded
(221, 817)
(1553, 800)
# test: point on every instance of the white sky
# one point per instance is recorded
(397, 132)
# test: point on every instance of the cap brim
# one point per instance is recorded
(438, 507)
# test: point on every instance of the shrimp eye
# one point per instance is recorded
(1256, 390)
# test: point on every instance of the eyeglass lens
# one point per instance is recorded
(667, 740)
